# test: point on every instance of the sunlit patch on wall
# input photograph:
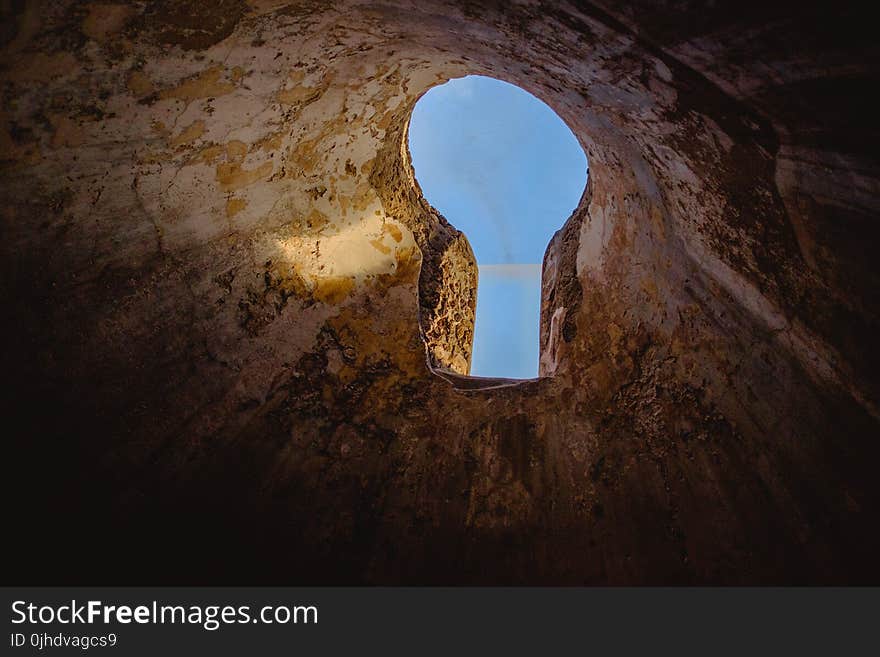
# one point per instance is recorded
(332, 259)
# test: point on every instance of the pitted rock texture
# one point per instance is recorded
(236, 335)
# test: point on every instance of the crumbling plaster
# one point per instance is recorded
(225, 296)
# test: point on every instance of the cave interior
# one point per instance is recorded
(237, 338)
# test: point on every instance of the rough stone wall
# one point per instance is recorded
(222, 292)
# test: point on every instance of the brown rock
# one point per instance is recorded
(276, 392)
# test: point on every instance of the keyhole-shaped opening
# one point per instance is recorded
(502, 167)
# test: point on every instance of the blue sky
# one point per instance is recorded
(501, 166)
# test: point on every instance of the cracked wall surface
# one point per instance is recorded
(236, 335)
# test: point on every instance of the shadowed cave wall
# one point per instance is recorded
(236, 335)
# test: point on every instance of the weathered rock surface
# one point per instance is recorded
(223, 289)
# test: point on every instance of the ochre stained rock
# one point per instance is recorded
(237, 337)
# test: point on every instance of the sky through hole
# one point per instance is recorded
(501, 166)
